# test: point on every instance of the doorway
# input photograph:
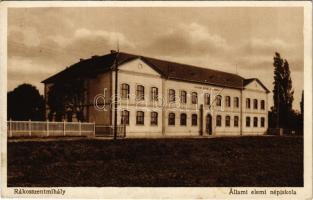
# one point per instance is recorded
(208, 124)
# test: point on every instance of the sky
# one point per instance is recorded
(242, 40)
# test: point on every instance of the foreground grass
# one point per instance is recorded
(240, 161)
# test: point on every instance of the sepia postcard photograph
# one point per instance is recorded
(156, 100)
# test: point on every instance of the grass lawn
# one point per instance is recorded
(215, 162)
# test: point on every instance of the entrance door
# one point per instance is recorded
(208, 124)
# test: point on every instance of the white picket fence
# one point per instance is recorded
(49, 129)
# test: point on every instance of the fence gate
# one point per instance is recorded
(108, 131)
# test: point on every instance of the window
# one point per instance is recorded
(207, 99)
(171, 119)
(154, 118)
(227, 101)
(236, 120)
(255, 103)
(140, 92)
(236, 102)
(125, 117)
(194, 98)
(218, 100)
(218, 120)
(247, 121)
(248, 103)
(183, 119)
(262, 122)
(255, 122)
(171, 95)
(183, 96)
(140, 118)
(194, 119)
(125, 91)
(262, 104)
(227, 121)
(154, 94)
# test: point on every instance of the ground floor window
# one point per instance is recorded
(183, 119)
(247, 121)
(171, 119)
(218, 120)
(227, 121)
(194, 119)
(236, 120)
(255, 122)
(154, 118)
(262, 122)
(125, 117)
(140, 118)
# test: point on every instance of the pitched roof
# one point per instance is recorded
(167, 69)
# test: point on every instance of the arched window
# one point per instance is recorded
(140, 92)
(227, 121)
(262, 104)
(171, 119)
(207, 99)
(236, 102)
(154, 94)
(125, 117)
(171, 95)
(125, 91)
(236, 121)
(247, 121)
(183, 119)
(255, 122)
(140, 118)
(248, 103)
(218, 120)
(227, 101)
(262, 122)
(154, 118)
(218, 100)
(255, 103)
(194, 119)
(183, 96)
(194, 98)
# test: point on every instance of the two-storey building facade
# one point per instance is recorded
(159, 98)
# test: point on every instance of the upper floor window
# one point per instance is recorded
(183, 119)
(255, 104)
(227, 121)
(236, 102)
(248, 102)
(236, 120)
(140, 118)
(262, 104)
(255, 122)
(218, 99)
(247, 121)
(154, 118)
(171, 119)
(171, 95)
(140, 92)
(183, 96)
(227, 101)
(218, 120)
(207, 99)
(194, 98)
(262, 122)
(154, 94)
(125, 117)
(125, 91)
(194, 119)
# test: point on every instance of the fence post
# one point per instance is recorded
(30, 128)
(64, 127)
(80, 128)
(10, 127)
(94, 129)
(47, 128)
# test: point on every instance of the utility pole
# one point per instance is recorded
(115, 95)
